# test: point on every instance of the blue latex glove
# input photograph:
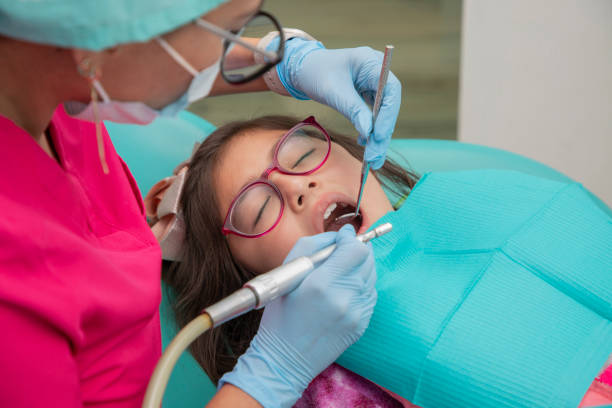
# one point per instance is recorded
(304, 332)
(342, 79)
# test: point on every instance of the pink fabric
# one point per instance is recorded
(600, 391)
(79, 274)
(606, 376)
(597, 395)
(338, 387)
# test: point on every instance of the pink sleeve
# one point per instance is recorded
(36, 364)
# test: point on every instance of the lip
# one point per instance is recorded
(324, 201)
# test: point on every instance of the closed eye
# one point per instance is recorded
(305, 155)
(261, 210)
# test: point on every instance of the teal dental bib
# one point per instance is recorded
(494, 290)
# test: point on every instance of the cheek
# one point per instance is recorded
(267, 252)
(342, 166)
(134, 73)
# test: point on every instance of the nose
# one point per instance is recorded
(297, 190)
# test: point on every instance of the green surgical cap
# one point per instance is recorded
(96, 24)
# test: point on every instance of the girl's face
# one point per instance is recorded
(306, 198)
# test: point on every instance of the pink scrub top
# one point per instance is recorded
(79, 273)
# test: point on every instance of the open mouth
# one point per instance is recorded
(338, 214)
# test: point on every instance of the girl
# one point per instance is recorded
(494, 287)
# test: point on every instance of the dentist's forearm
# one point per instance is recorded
(220, 87)
(231, 396)
(237, 58)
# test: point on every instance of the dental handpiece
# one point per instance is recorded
(264, 288)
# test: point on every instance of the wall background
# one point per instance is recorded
(536, 79)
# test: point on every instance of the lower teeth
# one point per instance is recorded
(347, 215)
(344, 219)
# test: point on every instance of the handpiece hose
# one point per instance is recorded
(255, 294)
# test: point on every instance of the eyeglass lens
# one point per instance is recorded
(258, 208)
(260, 25)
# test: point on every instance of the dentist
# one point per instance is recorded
(79, 267)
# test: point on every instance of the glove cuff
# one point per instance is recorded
(288, 69)
(269, 42)
(297, 45)
(271, 371)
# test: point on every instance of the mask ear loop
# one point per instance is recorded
(92, 74)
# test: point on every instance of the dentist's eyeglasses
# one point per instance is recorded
(235, 72)
(258, 207)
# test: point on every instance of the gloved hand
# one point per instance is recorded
(303, 332)
(342, 79)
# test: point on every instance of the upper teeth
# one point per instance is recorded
(329, 210)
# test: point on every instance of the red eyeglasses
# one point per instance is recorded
(259, 205)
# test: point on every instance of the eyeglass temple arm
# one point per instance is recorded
(233, 37)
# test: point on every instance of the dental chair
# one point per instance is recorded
(153, 151)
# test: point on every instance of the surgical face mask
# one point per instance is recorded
(139, 112)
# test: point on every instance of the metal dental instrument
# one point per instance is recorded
(266, 287)
(382, 81)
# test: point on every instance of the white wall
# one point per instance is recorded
(536, 79)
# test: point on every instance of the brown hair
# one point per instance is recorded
(208, 272)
